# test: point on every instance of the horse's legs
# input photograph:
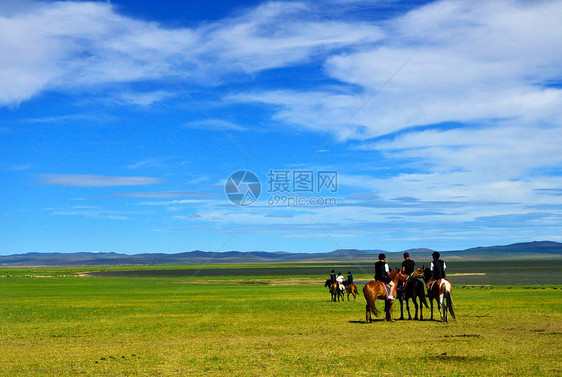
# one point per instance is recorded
(401, 309)
(387, 310)
(368, 313)
(388, 306)
(431, 305)
(414, 300)
(408, 308)
(444, 307)
(439, 306)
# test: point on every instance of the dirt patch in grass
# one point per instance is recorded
(463, 336)
(446, 357)
(256, 282)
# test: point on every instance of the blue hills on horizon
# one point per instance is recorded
(527, 250)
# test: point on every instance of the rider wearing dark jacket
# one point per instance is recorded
(437, 269)
(333, 277)
(408, 266)
(349, 278)
(381, 274)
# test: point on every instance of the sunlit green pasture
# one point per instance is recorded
(55, 322)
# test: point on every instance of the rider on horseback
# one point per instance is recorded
(408, 267)
(339, 280)
(333, 277)
(349, 278)
(437, 269)
(381, 274)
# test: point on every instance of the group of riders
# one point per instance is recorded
(382, 271)
(340, 281)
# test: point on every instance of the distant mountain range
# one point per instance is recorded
(528, 250)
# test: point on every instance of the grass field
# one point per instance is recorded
(56, 322)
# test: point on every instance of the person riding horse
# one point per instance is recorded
(349, 279)
(332, 277)
(339, 280)
(437, 269)
(408, 267)
(381, 274)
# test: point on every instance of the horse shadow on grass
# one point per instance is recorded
(365, 322)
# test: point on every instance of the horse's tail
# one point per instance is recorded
(373, 308)
(449, 299)
(370, 300)
(421, 293)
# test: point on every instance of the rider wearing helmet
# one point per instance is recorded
(381, 274)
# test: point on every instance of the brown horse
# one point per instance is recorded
(374, 290)
(351, 290)
(414, 289)
(441, 291)
(334, 290)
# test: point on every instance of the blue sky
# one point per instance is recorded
(121, 121)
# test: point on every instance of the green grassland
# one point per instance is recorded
(55, 321)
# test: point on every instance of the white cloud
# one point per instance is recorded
(471, 61)
(506, 151)
(213, 124)
(78, 180)
(75, 45)
(93, 212)
(144, 98)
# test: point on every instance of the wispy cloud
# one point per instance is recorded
(504, 150)
(212, 125)
(92, 44)
(16, 167)
(77, 180)
(167, 195)
(68, 118)
(94, 212)
(173, 202)
(144, 98)
(472, 61)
